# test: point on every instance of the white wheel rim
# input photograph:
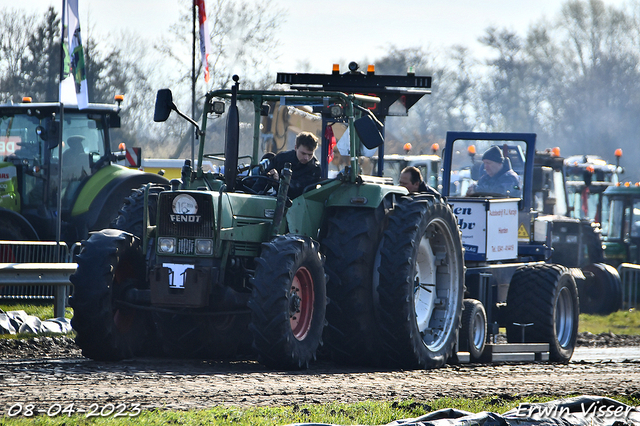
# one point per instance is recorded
(564, 317)
(436, 291)
(478, 330)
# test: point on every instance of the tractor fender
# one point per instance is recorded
(306, 215)
(102, 196)
(363, 195)
(17, 222)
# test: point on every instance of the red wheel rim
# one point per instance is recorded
(301, 298)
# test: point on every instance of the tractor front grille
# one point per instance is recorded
(198, 225)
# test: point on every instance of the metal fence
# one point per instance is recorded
(36, 270)
(630, 277)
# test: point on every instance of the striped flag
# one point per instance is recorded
(205, 44)
(73, 78)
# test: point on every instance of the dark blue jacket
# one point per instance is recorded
(505, 182)
(302, 175)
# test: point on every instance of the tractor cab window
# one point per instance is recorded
(19, 138)
(82, 146)
(614, 228)
(22, 147)
(635, 220)
(487, 168)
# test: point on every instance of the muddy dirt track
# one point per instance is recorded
(58, 374)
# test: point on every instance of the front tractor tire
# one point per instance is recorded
(288, 302)
(545, 296)
(110, 263)
(421, 283)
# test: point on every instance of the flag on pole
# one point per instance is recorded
(205, 44)
(73, 78)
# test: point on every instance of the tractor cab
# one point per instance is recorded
(622, 239)
(40, 167)
(487, 178)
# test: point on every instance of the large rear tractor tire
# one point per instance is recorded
(546, 296)
(601, 292)
(110, 263)
(288, 302)
(352, 241)
(421, 283)
(473, 333)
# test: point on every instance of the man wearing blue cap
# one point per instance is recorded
(499, 177)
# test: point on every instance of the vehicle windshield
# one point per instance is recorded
(29, 142)
(614, 228)
(501, 175)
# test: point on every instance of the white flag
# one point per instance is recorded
(205, 44)
(73, 81)
(344, 144)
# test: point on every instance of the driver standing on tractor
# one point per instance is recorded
(305, 167)
(499, 177)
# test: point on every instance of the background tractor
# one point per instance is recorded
(53, 193)
(576, 238)
(91, 187)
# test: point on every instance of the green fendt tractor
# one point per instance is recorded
(212, 267)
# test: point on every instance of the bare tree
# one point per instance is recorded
(243, 40)
(14, 39)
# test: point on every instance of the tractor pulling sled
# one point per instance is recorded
(355, 268)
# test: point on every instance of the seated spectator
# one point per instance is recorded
(411, 178)
(499, 178)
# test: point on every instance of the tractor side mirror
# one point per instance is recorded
(368, 132)
(164, 105)
(114, 121)
(50, 134)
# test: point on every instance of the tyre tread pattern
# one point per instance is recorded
(353, 238)
(273, 339)
(403, 345)
(532, 298)
(95, 290)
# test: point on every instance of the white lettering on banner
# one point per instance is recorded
(7, 148)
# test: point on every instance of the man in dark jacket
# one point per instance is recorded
(499, 177)
(411, 178)
(305, 167)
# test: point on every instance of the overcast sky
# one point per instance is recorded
(333, 31)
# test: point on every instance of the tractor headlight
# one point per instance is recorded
(166, 245)
(204, 247)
